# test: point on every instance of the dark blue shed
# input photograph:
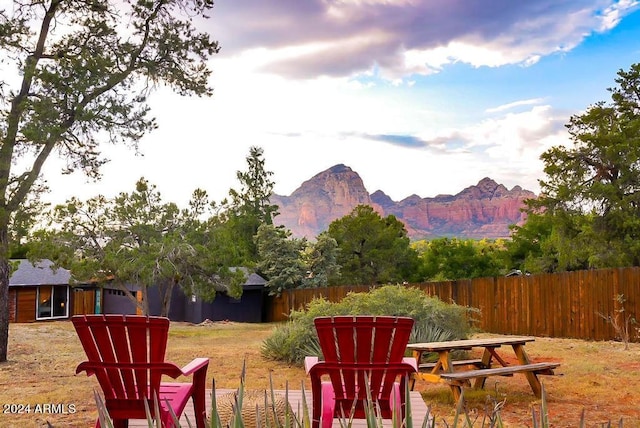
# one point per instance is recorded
(248, 308)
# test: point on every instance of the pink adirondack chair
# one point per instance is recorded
(126, 354)
(360, 353)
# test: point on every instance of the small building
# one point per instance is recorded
(116, 301)
(248, 308)
(40, 292)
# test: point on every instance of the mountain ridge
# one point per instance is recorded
(484, 210)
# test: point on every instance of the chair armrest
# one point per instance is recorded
(411, 361)
(309, 362)
(87, 367)
(165, 368)
(195, 365)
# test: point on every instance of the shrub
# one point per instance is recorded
(434, 320)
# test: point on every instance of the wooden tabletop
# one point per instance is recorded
(489, 342)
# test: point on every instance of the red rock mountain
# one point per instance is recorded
(482, 211)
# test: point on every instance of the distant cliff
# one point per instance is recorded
(482, 211)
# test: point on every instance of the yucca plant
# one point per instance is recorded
(107, 422)
(301, 418)
(103, 414)
(541, 420)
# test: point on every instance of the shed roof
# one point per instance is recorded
(43, 273)
(38, 273)
(253, 281)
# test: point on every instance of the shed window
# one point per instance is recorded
(52, 302)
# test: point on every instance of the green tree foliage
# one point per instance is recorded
(289, 262)
(249, 207)
(446, 259)
(81, 78)
(591, 191)
(533, 246)
(280, 258)
(23, 220)
(372, 249)
(137, 239)
(321, 259)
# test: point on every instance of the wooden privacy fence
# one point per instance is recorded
(570, 304)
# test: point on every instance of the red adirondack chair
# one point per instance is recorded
(360, 353)
(126, 354)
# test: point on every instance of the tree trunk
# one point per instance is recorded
(145, 300)
(165, 298)
(4, 291)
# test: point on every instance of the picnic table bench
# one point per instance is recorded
(446, 370)
(476, 362)
(462, 377)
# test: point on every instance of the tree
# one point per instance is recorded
(534, 246)
(446, 259)
(289, 262)
(280, 258)
(592, 189)
(372, 249)
(249, 207)
(137, 239)
(321, 259)
(83, 78)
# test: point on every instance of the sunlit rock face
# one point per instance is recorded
(485, 210)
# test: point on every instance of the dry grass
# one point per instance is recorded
(600, 377)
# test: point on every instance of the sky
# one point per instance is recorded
(418, 97)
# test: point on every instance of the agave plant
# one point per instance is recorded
(301, 419)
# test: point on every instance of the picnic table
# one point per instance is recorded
(459, 373)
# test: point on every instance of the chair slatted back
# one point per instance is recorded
(364, 350)
(123, 351)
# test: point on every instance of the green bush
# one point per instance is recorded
(434, 320)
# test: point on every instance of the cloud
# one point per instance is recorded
(402, 37)
(505, 147)
(612, 15)
(509, 135)
(514, 104)
(399, 140)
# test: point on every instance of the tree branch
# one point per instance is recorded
(18, 103)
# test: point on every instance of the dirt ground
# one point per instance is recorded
(39, 388)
